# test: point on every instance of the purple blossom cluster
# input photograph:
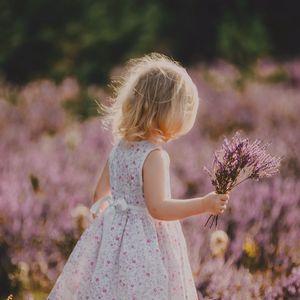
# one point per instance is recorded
(287, 287)
(219, 279)
(239, 160)
(50, 162)
(48, 170)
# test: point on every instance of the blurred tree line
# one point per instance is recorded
(87, 38)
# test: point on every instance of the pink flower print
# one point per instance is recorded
(131, 177)
(126, 166)
(148, 241)
(97, 279)
(108, 261)
(148, 274)
(104, 290)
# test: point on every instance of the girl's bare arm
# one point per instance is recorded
(156, 180)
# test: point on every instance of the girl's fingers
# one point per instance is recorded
(224, 201)
(226, 198)
(223, 207)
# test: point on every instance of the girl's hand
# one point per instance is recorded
(216, 203)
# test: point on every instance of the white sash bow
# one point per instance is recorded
(115, 204)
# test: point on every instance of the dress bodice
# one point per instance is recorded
(126, 162)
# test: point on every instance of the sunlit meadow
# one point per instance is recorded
(53, 147)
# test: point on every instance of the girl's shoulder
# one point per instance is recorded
(160, 156)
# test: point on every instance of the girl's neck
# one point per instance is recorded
(158, 143)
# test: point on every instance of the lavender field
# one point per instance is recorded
(51, 156)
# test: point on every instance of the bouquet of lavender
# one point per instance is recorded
(237, 161)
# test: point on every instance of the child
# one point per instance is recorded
(135, 248)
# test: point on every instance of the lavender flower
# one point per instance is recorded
(239, 160)
(287, 287)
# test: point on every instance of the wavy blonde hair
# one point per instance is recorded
(153, 100)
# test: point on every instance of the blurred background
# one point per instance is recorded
(56, 58)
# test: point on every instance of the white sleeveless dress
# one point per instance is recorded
(125, 253)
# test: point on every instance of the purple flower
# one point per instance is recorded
(239, 160)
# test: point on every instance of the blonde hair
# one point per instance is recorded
(153, 100)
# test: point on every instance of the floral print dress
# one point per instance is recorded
(125, 253)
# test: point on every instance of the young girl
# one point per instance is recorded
(134, 248)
